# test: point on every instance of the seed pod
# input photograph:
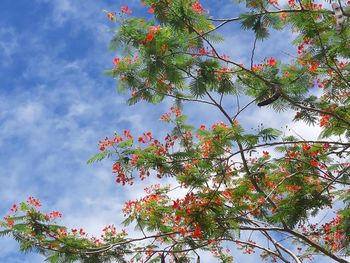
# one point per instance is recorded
(339, 17)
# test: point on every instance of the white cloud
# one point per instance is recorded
(28, 113)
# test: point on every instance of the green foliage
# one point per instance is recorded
(269, 134)
(231, 180)
(99, 157)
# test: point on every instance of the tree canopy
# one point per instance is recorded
(229, 181)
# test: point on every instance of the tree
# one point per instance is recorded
(232, 184)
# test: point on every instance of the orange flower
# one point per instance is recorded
(325, 120)
(283, 16)
(110, 15)
(313, 67)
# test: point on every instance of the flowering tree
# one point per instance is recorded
(232, 185)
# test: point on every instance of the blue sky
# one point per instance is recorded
(56, 104)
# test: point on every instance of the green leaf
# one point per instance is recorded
(269, 134)
(99, 157)
(127, 143)
(54, 258)
(17, 218)
(20, 227)
(24, 206)
(5, 232)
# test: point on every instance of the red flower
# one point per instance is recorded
(35, 202)
(258, 67)
(82, 232)
(197, 233)
(343, 64)
(150, 10)
(325, 120)
(291, 2)
(197, 7)
(306, 147)
(314, 163)
(127, 134)
(148, 136)
(10, 222)
(116, 61)
(314, 153)
(126, 10)
(286, 74)
(202, 51)
(271, 61)
(176, 204)
(116, 167)
(149, 37)
(152, 31)
(135, 157)
(266, 153)
(14, 208)
(142, 140)
(226, 194)
(55, 214)
(326, 146)
(274, 2)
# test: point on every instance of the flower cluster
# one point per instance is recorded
(197, 7)
(33, 201)
(270, 62)
(126, 10)
(152, 31)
